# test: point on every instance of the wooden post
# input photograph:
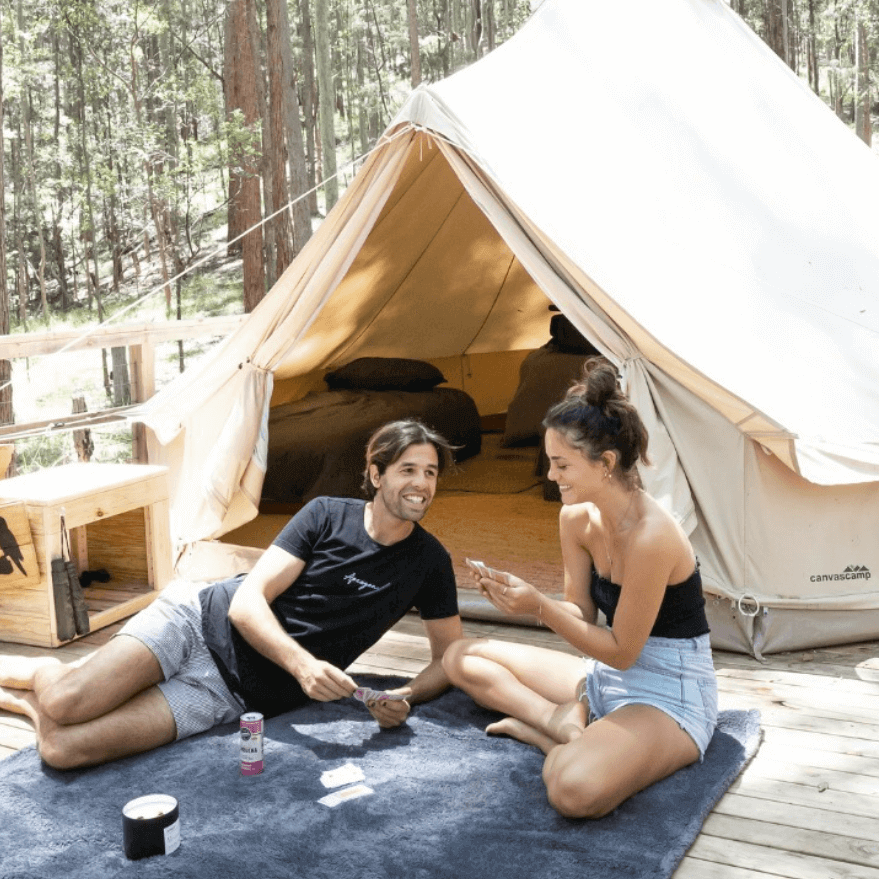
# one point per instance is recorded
(143, 386)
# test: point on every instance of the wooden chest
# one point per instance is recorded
(117, 520)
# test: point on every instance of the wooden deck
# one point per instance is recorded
(805, 808)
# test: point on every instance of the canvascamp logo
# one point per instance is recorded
(852, 572)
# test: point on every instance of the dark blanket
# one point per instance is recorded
(316, 445)
(448, 801)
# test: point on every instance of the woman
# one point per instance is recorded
(645, 703)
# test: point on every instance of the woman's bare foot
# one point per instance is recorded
(522, 732)
(567, 722)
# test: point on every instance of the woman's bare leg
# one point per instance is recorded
(615, 757)
(534, 686)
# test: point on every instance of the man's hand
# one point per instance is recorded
(389, 712)
(322, 681)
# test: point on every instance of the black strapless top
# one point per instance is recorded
(681, 614)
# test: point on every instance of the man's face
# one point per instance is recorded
(406, 488)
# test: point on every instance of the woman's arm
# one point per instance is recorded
(651, 553)
(575, 522)
(650, 558)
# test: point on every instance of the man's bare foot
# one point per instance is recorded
(567, 722)
(18, 671)
(19, 702)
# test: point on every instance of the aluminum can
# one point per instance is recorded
(251, 743)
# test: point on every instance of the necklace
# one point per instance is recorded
(604, 536)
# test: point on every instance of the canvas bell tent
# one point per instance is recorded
(655, 172)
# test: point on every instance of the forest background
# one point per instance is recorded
(169, 158)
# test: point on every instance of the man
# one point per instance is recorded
(338, 576)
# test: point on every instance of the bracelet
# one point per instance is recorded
(540, 614)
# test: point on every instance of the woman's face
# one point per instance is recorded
(578, 478)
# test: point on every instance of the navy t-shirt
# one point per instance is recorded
(351, 591)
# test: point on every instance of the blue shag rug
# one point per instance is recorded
(448, 801)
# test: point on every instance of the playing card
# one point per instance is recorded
(349, 793)
(347, 774)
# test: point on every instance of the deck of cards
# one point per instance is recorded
(367, 694)
(483, 570)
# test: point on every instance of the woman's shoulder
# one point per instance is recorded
(579, 517)
(659, 534)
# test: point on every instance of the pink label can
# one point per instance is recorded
(251, 743)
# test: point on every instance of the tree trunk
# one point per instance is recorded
(299, 185)
(31, 173)
(6, 413)
(326, 101)
(812, 51)
(82, 439)
(57, 234)
(863, 124)
(21, 279)
(414, 52)
(308, 103)
(280, 189)
(241, 93)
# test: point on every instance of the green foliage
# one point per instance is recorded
(126, 112)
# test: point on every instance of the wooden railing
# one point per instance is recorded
(139, 339)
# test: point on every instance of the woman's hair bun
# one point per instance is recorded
(600, 382)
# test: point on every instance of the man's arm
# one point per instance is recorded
(430, 682)
(251, 614)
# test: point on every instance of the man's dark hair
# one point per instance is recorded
(389, 442)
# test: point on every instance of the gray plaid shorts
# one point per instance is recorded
(171, 628)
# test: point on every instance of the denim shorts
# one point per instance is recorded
(675, 675)
(171, 628)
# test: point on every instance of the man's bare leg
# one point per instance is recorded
(123, 667)
(102, 709)
(141, 724)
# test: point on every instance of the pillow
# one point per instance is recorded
(544, 377)
(385, 374)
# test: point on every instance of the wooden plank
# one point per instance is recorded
(793, 679)
(792, 716)
(821, 778)
(121, 611)
(844, 802)
(694, 868)
(833, 824)
(817, 759)
(834, 665)
(14, 736)
(776, 860)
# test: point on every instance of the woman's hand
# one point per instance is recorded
(510, 594)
